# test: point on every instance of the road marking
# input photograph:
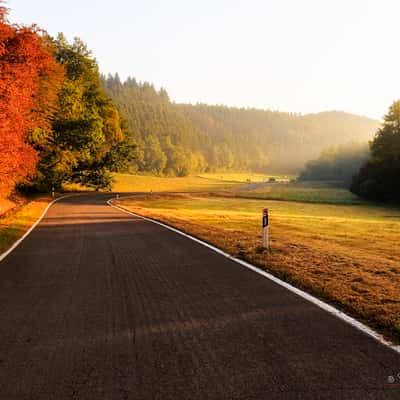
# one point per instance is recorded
(327, 307)
(26, 234)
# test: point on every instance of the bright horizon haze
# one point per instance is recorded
(297, 56)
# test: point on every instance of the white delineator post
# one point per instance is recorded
(53, 192)
(265, 224)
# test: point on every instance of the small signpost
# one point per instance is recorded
(53, 192)
(265, 225)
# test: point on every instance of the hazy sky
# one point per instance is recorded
(290, 55)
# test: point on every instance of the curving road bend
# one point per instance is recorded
(98, 304)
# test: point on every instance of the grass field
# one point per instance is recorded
(147, 183)
(243, 177)
(199, 183)
(6, 205)
(346, 254)
(310, 192)
(17, 221)
(245, 185)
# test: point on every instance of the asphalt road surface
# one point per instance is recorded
(97, 304)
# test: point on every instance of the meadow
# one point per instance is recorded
(309, 192)
(246, 185)
(18, 219)
(347, 254)
(150, 183)
(246, 177)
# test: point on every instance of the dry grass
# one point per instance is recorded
(18, 220)
(246, 177)
(200, 183)
(346, 254)
(148, 183)
(6, 205)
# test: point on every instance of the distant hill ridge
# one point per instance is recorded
(179, 139)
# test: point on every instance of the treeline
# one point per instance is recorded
(370, 171)
(56, 123)
(29, 78)
(379, 178)
(337, 163)
(166, 141)
(179, 139)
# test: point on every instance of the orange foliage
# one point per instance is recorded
(29, 81)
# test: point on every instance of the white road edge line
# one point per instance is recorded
(37, 222)
(327, 307)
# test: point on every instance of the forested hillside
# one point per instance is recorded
(179, 139)
(167, 142)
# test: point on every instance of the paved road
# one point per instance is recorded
(97, 304)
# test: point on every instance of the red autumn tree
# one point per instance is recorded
(29, 81)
